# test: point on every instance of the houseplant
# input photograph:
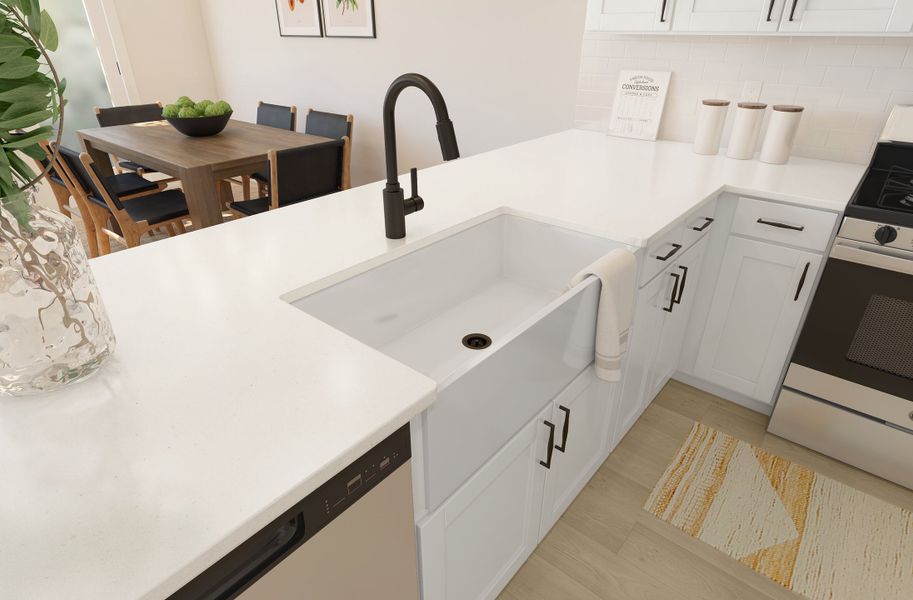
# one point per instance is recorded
(53, 326)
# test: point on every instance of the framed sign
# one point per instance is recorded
(300, 18)
(349, 18)
(639, 101)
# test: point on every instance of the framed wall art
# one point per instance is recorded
(349, 18)
(299, 18)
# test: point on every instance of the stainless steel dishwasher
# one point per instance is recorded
(353, 538)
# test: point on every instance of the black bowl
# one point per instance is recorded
(200, 126)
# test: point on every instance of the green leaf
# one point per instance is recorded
(18, 68)
(34, 151)
(63, 86)
(17, 204)
(28, 138)
(48, 35)
(22, 108)
(26, 120)
(6, 173)
(12, 46)
(32, 92)
(20, 167)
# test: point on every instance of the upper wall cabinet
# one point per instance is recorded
(752, 16)
(629, 15)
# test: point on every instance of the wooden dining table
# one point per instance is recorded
(203, 164)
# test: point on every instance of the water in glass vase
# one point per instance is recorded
(53, 326)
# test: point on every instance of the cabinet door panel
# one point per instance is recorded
(755, 315)
(629, 15)
(728, 15)
(473, 544)
(838, 16)
(587, 401)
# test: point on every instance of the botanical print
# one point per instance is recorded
(298, 17)
(349, 18)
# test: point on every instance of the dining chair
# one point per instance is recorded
(54, 180)
(126, 185)
(332, 125)
(126, 115)
(134, 215)
(297, 175)
(269, 115)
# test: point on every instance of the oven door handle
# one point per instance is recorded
(859, 254)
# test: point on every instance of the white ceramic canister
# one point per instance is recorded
(745, 130)
(710, 121)
(781, 132)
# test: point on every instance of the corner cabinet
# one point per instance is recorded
(746, 16)
(473, 544)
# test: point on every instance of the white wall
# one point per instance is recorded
(507, 69)
(164, 49)
(847, 84)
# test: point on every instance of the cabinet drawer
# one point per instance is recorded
(784, 224)
(662, 254)
(699, 224)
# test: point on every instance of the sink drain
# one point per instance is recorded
(477, 341)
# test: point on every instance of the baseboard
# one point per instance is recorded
(725, 394)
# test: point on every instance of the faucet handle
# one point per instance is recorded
(413, 203)
(413, 176)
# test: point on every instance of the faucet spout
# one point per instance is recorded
(396, 206)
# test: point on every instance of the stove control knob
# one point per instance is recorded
(885, 234)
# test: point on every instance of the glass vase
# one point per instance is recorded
(53, 326)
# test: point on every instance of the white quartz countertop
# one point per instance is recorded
(224, 405)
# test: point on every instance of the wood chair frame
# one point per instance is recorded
(244, 180)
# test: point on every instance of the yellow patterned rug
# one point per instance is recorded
(811, 534)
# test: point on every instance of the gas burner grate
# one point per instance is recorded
(897, 192)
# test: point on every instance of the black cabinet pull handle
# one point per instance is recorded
(781, 225)
(547, 463)
(707, 222)
(802, 281)
(792, 12)
(567, 425)
(677, 278)
(675, 248)
(662, 12)
(681, 288)
(770, 10)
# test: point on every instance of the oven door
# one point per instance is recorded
(856, 347)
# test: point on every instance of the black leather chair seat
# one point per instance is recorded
(125, 184)
(157, 208)
(251, 207)
(129, 165)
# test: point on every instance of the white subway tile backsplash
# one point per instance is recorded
(879, 56)
(847, 84)
(848, 77)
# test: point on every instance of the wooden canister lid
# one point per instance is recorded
(788, 108)
(760, 105)
(713, 102)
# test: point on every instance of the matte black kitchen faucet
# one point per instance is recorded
(396, 205)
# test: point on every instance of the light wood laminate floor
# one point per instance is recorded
(607, 547)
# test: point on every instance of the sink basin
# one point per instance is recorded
(505, 278)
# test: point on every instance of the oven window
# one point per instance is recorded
(860, 328)
(882, 341)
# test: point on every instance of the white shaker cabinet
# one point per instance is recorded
(757, 307)
(846, 16)
(476, 540)
(727, 16)
(582, 415)
(629, 15)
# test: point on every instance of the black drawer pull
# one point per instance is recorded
(792, 13)
(567, 425)
(802, 281)
(781, 225)
(672, 302)
(675, 248)
(707, 222)
(770, 10)
(547, 463)
(662, 12)
(681, 288)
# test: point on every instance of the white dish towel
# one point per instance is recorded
(618, 272)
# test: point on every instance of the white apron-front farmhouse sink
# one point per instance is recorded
(505, 278)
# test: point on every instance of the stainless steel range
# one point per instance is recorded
(849, 389)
